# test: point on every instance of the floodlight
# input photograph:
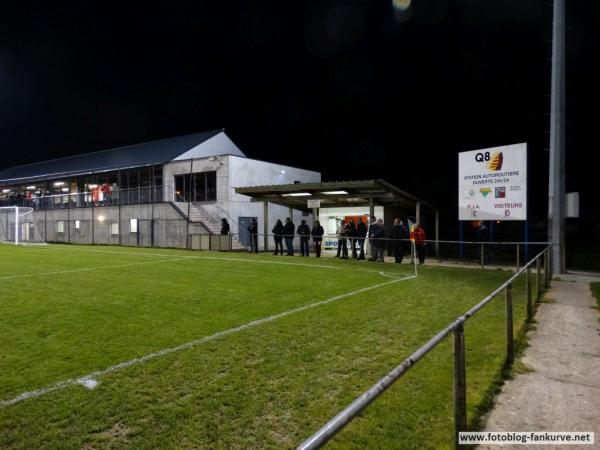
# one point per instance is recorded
(335, 193)
(297, 194)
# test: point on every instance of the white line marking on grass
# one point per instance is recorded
(93, 376)
(187, 257)
(89, 269)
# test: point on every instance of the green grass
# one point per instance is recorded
(68, 311)
(596, 292)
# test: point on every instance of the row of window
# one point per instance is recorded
(114, 226)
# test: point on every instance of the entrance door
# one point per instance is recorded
(243, 224)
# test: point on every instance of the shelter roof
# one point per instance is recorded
(333, 194)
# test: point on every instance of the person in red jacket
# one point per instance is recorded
(420, 238)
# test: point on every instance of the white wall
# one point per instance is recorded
(220, 164)
(245, 172)
(325, 215)
(235, 171)
(219, 144)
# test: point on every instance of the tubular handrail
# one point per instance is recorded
(335, 425)
(387, 239)
(231, 219)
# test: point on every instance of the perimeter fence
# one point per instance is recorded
(535, 274)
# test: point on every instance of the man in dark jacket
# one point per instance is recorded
(253, 231)
(351, 227)
(304, 233)
(224, 227)
(288, 234)
(371, 236)
(278, 237)
(361, 233)
(317, 235)
(399, 232)
(379, 237)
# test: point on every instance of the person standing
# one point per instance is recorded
(253, 231)
(420, 242)
(304, 233)
(399, 232)
(345, 229)
(339, 232)
(106, 194)
(278, 237)
(361, 233)
(379, 237)
(317, 233)
(351, 229)
(224, 227)
(288, 235)
(371, 237)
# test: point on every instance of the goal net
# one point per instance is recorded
(17, 226)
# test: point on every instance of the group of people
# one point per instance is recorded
(348, 232)
(355, 233)
(285, 232)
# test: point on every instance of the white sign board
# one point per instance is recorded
(313, 203)
(492, 183)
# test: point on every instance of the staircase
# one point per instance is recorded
(199, 216)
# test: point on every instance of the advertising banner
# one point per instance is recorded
(492, 183)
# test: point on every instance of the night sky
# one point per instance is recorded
(354, 89)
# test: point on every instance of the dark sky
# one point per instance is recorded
(354, 89)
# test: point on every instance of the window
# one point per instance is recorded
(133, 225)
(114, 228)
(77, 225)
(60, 226)
(196, 187)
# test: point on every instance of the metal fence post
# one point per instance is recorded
(528, 289)
(460, 384)
(482, 262)
(509, 324)
(546, 271)
(538, 280)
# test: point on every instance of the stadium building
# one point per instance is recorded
(174, 193)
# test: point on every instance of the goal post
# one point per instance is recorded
(18, 227)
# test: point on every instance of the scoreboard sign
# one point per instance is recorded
(492, 183)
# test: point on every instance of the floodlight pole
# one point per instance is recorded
(556, 179)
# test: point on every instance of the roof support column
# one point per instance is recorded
(266, 224)
(418, 213)
(371, 208)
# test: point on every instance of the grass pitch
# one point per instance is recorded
(70, 311)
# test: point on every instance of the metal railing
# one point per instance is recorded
(116, 197)
(335, 425)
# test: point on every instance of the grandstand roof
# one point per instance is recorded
(137, 155)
